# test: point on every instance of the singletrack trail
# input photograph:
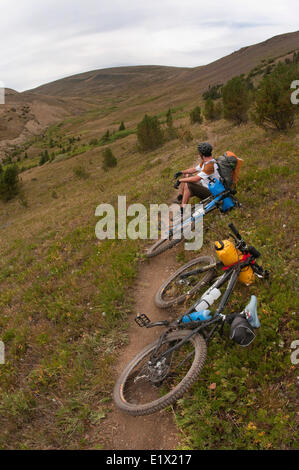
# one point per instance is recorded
(158, 431)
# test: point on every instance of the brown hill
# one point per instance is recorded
(127, 89)
(118, 79)
(245, 59)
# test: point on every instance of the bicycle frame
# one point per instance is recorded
(231, 275)
(201, 212)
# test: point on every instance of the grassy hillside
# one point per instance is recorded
(65, 297)
(57, 280)
(251, 404)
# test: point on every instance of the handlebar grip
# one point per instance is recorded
(235, 231)
(253, 251)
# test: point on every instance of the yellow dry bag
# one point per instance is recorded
(228, 255)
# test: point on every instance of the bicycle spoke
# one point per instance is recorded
(149, 381)
(180, 286)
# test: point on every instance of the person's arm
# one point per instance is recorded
(208, 170)
(190, 179)
(189, 171)
(187, 174)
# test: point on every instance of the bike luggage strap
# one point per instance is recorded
(244, 258)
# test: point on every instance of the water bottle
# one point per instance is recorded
(197, 316)
(208, 299)
(250, 312)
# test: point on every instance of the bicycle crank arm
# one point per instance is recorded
(143, 321)
(158, 323)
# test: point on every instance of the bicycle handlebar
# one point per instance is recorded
(235, 231)
(241, 244)
(253, 251)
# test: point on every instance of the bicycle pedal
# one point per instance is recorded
(142, 320)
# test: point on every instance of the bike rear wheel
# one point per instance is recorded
(144, 388)
(175, 291)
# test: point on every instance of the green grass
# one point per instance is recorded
(253, 404)
(65, 297)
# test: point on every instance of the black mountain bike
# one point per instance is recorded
(164, 370)
(175, 234)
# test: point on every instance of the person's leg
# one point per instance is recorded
(186, 194)
(198, 190)
(181, 190)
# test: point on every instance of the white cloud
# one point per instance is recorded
(43, 41)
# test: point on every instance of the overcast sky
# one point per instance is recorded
(43, 40)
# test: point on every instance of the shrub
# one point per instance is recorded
(213, 92)
(110, 160)
(218, 110)
(169, 119)
(9, 183)
(122, 126)
(273, 106)
(185, 134)
(209, 110)
(235, 98)
(195, 115)
(80, 172)
(171, 132)
(105, 137)
(149, 133)
(44, 157)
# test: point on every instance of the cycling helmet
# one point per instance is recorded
(205, 149)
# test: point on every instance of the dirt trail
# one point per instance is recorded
(158, 431)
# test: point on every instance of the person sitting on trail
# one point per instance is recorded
(197, 185)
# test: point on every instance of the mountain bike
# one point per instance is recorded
(164, 370)
(222, 199)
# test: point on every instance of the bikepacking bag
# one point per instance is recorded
(227, 164)
(216, 188)
(241, 332)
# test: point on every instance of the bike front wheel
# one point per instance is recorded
(162, 245)
(176, 290)
(149, 384)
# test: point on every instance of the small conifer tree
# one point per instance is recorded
(110, 160)
(9, 182)
(195, 115)
(149, 133)
(273, 107)
(235, 98)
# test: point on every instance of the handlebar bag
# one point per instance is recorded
(216, 188)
